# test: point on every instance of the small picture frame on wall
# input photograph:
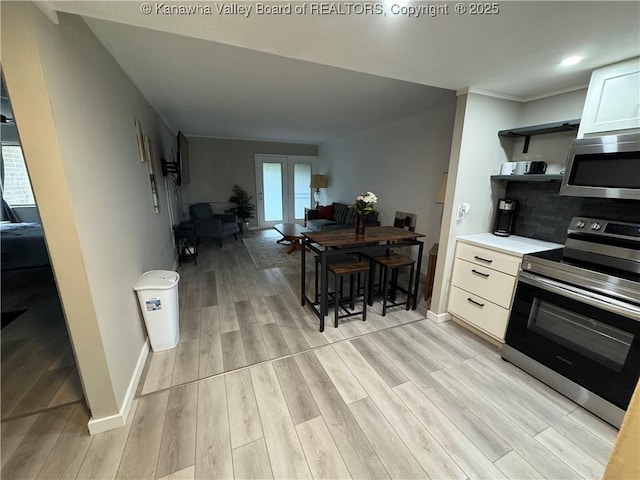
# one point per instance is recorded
(139, 140)
(152, 178)
(147, 151)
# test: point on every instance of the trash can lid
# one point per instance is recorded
(157, 280)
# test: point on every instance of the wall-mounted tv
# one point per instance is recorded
(183, 160)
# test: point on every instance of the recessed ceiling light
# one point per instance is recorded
(570, 61)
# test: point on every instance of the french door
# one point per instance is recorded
(282, 186)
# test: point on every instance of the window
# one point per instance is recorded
(16, 188)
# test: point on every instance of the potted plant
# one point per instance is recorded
(244, 209)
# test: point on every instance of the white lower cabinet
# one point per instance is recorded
(482, 281)
(479, 312)
(482, 287)
(485, 257)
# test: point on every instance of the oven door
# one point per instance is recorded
(588, 338)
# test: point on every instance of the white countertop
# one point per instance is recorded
(513, 244)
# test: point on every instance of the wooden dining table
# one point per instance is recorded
(339, 242)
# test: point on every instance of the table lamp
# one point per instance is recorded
(318, 182)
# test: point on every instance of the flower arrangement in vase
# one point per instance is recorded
(363, 206)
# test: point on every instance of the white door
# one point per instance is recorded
(282, 185)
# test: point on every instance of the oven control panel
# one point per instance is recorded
(628, 230)
(605, 228)
(580, 224)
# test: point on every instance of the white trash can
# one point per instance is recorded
(158, 296)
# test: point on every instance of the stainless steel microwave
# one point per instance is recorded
(604, 167)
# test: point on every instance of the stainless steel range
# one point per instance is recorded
(575, 321)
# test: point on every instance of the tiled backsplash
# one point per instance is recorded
(545, 215)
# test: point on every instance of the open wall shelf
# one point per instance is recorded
(567, 126)
(528, 132)
(527, 178)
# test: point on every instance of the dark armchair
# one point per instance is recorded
(211, 225)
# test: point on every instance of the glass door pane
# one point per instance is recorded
(272, 188)
(282, 189)
(301, 190)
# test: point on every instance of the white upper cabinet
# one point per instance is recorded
(613, 100)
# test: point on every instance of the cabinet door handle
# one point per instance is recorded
(485, 275)
(475, 303)
(483, 259)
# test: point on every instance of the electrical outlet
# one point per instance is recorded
(462, 211)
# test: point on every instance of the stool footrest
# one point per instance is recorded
(391, 262)
(350, 314)
(346, 268)
(397, 304)
(353, 269)
(394, 260)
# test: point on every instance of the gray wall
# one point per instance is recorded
(27, 214)
(402, 163)
(75, 107)
(551, 148)
(564, 106)
(9, 134)
(543, 213)
(217, 164)
(476, 154)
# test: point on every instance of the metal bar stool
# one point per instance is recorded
(352, 268)
(343, 258)
(394, 262)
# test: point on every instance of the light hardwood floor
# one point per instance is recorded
(233, 315)
(38, 366)
(412, 400)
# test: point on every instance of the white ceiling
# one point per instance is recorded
(209, 89)
(514, 53)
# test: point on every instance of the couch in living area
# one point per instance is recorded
(335, 217)
(211, 225)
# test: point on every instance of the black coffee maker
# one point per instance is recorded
(505, 216)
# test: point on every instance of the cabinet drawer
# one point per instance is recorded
(489, 258)
(490, 284)
(487, 316)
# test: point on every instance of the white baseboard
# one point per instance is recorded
(438, 317)
(99, 425)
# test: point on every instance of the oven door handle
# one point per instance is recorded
(593, 299)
